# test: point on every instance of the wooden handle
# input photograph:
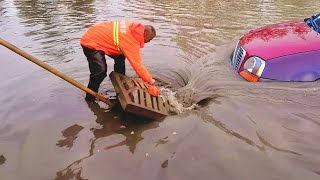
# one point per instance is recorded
(54, 71)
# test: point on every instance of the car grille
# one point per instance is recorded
(238, 55)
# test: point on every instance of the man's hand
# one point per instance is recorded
(152, 81)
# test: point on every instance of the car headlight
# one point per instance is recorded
(255, 65)
(252, 69)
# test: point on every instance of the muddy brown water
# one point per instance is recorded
(267, 130)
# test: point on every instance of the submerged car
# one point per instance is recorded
(287, 51)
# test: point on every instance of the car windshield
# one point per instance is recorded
(314, 22)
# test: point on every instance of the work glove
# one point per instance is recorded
(153, 90)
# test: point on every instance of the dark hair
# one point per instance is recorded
(153, 30)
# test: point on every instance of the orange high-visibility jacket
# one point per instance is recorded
(115, 38)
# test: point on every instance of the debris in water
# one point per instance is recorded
(122, 127)
(165, 164)
(132, 132)
(174, 133)
(147, 154)
(2, 159)
(172, 155)
(161, 141)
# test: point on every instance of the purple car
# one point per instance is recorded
(284, 52)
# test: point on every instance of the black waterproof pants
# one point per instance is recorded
(98, 68)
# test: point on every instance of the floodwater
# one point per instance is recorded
(242, 130)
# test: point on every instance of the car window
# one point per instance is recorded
(314, 22)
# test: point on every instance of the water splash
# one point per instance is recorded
(176, 106)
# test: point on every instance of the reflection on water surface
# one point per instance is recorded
(241, 130)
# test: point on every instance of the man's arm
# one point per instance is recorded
(134, 57)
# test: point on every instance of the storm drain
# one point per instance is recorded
(134, 97)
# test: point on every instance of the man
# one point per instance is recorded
(119, 40)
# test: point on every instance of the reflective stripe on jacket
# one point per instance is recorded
(115, 38)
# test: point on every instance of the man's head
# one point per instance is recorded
(149, 33)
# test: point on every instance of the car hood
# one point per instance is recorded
(280, 39)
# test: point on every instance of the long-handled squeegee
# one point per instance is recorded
(132, 94)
